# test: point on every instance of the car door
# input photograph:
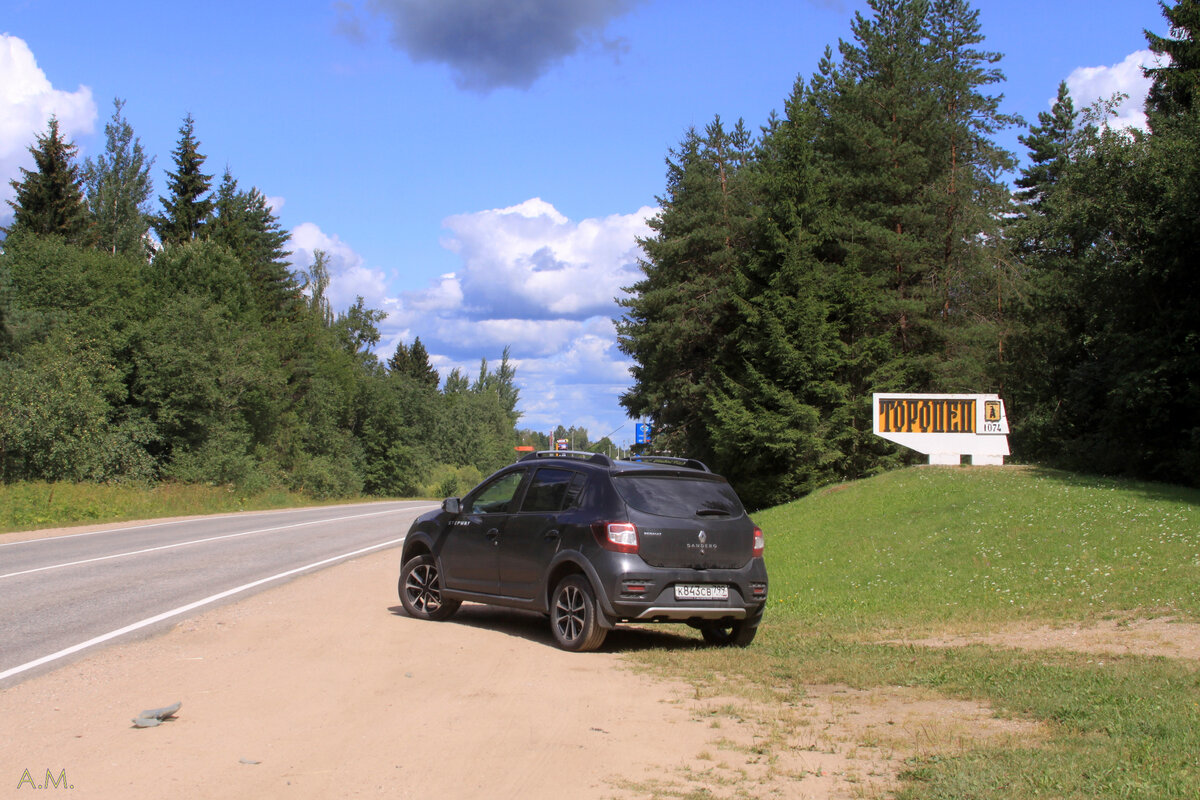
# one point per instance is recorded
(470, 549)
(533, 534)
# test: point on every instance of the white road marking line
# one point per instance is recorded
(184, 609)
(198, 541)
(186, 520)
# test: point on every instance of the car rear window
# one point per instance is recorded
(679, 496)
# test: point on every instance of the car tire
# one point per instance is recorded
(573, 615)
(420, 590)
(739, 633)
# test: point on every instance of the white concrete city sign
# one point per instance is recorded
(945, 426)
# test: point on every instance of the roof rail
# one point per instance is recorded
(594, 458)
(690, 463)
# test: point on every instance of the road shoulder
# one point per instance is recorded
(322, 687)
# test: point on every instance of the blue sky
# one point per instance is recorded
(480, 169)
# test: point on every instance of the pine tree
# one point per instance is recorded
(1049, 250)
(118, 188)
(908, 163)
(49, 198)
(188, 208)
(1049, 143)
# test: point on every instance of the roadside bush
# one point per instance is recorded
(324, 476)
(57, 422)
(450, 481)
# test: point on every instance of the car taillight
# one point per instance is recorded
(620, 537)
(759, 542)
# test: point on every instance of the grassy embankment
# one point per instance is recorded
(934, 550)
(30, 506)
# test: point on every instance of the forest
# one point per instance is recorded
(874, 237)
(871, 237)
(141, 347)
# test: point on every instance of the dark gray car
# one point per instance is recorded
(593, 542)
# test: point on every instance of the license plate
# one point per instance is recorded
(701, 591)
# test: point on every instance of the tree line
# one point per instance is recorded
(177, 344)
(866, 240)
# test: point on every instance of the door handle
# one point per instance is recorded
(494, 535)
(552, 534)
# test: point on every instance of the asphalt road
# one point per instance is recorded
(64, 595)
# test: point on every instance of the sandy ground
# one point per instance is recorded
(324, 688)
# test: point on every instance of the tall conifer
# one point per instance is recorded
(681, 315)
(49, 198)
(1177, 76)
(245, 224)
(188, 207)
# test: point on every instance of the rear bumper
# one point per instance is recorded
(647, 594)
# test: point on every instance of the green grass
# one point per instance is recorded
(946, 548)
(29, 506)
(930, 546)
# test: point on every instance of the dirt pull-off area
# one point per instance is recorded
(323, 688)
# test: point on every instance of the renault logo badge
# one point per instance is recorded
(703, 537)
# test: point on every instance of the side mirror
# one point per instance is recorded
(452, 505)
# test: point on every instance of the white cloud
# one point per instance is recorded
(27, 101)
(1089, 84)
(349, 276)
(531, 261)
(546, 286)
(531, 280)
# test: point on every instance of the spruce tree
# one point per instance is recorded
(118, 188)
(49, 198)
(400, 360)
(680, 317)
(245, 224)
(419, 366)
(413, 362)
(1177, 77)
(188, 207)
(772, 405)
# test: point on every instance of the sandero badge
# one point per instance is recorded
(593, 542)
